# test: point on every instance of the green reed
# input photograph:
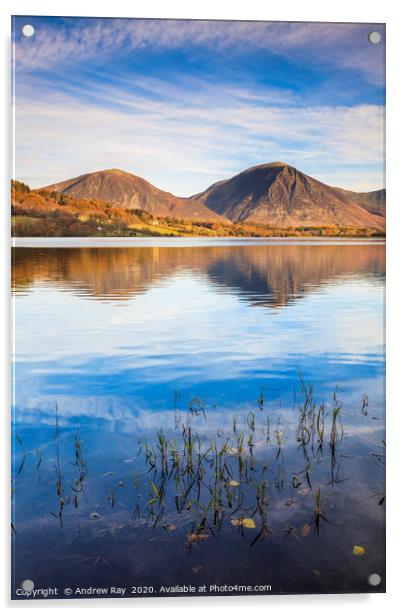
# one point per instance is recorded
(208, 481)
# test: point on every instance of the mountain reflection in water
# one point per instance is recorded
(264, 274)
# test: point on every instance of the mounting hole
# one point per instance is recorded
(374, 37)
(28, 30)
(374, 579)
(28, 585)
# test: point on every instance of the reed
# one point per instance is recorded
(205, 478)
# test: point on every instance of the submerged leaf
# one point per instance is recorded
(304, 491)
(305, 531)
(296, 483)
(358, 550)
(196, 537)
(248, 523)
(245, 522)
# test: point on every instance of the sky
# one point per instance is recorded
(187, 103)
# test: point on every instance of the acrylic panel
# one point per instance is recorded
(198, 270)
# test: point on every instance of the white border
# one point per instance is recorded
(388, 11)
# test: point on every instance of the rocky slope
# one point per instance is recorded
(132, 192)
(281, 195)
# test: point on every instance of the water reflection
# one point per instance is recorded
(271, 275)
(121, 341)
(217, 321)
(235, 498)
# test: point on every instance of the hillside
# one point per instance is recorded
(373, 201)
(42, 213)
(131, 192)
(280, 195)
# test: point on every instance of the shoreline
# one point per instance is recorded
(84, 242)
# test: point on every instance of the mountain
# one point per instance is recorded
(280, 195)
(132, 192)
(373, 202)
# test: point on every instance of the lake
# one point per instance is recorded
(192, 412)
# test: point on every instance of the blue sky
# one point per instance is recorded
(186, 103)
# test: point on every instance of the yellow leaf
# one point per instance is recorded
(248, 523)
(233, 483)
(358, 550)
(245, 522)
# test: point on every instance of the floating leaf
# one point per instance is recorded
(358, 550)
(233, 483)
(245, 522)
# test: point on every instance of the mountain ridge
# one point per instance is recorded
(279, 194)
(274, 193)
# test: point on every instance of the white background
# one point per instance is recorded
(294, 10)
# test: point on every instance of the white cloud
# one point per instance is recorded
(185, 133)
(193, 137)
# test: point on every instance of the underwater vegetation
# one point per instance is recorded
(198, 479)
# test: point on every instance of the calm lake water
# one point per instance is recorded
(260, 363)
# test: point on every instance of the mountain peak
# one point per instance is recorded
(276, 164)
(113, 171)
(280, 195)
(126, 190)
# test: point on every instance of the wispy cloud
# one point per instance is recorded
(186, 103)
(190, 139)
(343, 45)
